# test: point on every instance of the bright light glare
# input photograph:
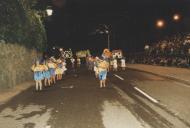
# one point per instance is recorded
(60, 49)
(49, 12)
(160, 23)
(176, 17)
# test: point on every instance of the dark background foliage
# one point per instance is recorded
(21, 24)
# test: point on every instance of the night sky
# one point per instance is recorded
(132, 22)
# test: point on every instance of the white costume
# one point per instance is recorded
(123, 65)
(115, 64)
(64, 67)
(78, 61)
(72, 60)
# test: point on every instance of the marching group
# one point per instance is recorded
(102, 65)
(48, 71)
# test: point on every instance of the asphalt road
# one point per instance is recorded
(131, 100)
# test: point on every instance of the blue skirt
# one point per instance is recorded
(52, 71)
(38, 75)
(46, 74)
(103, 75)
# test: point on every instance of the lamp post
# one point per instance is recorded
(176, 17)
(105, 30)
(108, 34)
(160, 23)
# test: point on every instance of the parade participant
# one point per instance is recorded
(46, 74)
(111, 64)
(102, 70)
(107, 55)
(38, 75)
(64, 66)
(115, 65)
(59, 70)
(103, 66)
(123, 64)
(73, 62)
(90, 63)
(52, 66)
(96, 66)
(78, 62)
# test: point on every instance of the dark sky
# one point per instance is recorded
(132, 22)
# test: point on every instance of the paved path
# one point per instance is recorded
(78, 102)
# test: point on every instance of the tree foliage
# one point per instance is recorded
(21, 24)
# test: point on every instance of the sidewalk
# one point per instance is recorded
(178, 74)
(7, 94)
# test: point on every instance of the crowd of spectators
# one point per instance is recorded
(172, 51)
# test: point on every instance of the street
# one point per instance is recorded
(131, 100)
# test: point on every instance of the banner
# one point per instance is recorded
(83, 53)
(117, 54)
(67, 54)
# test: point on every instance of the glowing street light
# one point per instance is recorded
(176, 17)
(160, 23)
(61, 49)
(49, 12)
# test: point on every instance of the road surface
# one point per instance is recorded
(132, 100)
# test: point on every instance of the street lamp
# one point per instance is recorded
(49, 12)
(108, 33)
(160, 23)
(176, 17)
(60, 49)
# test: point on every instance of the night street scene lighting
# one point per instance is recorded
(160, 23)
(176, 17)
(95, 64)
(49, 11)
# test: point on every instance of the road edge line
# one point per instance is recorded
(146, 95)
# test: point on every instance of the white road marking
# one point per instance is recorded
(146, 95)
(68, 87)
(149, 97)
(181, 84)
(118, 77)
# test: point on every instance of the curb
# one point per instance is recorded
(163, 76)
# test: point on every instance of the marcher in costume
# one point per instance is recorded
(123, 64)
(73, 62)
(38, 75)
(78, 62)
(111, 64)
(115, 66)
(103, 66)
(64, 66)
(52, 66)
(106, 56)
(96, 67)
(102, 70)
(46, 74)
(59, 69)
